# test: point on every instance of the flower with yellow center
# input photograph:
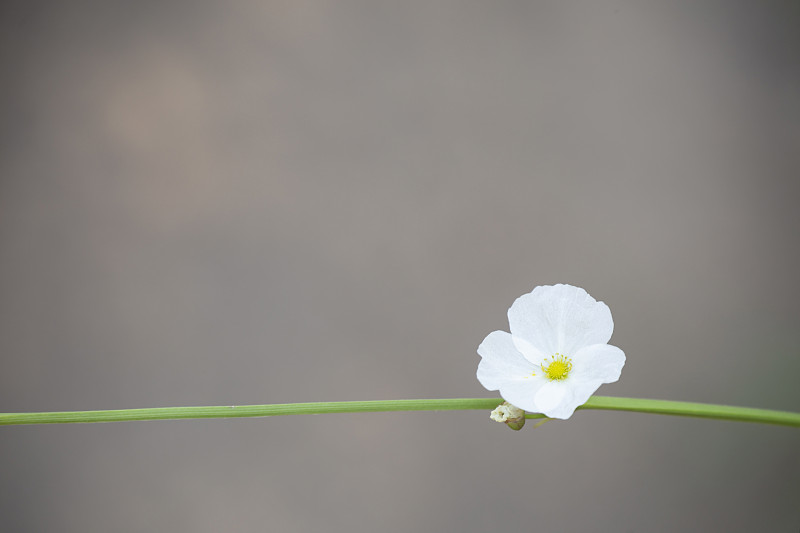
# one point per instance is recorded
(557, 354)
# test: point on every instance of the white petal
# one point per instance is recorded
(501, 363)
(600, 363)
(503, 368)
(522, 392)
(560, 318)
(556, 400)
(529, 351)
(583, 390)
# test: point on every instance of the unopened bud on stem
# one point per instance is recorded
(512, 416)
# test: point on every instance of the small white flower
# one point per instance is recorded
(557, 354)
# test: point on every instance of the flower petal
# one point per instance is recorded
(600, 363)
(560, 318)
(501, 362)
(528, 350)
(522, 392)
(583, 390)
(503, 368)
(556, 400)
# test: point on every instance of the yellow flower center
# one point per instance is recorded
(558, 367)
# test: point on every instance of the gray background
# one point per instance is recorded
(257, 202)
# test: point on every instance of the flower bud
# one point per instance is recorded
(512, 416)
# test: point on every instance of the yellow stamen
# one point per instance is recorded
(558, 368)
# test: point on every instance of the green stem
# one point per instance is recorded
(248, 411)
(719, 412)
(697, 410)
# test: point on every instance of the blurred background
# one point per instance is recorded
(261, 202)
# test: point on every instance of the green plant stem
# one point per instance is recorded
(663, 407)
(697, 410)
(249, 411)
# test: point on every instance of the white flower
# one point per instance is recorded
(557, 354)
